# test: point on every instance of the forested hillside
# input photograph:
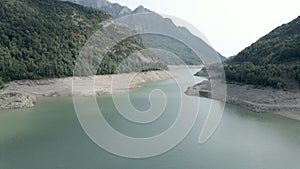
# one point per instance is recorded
(274, 60)
(41, 38)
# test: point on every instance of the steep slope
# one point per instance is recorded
(42, 38)
(154, 41)
(274, 60)
(184, 53)
(140, 9)
(114, 9)
(282, 45)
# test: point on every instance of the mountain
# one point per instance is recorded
(114, 9)
(282, 45)
(42, 39)
(140, 9)
(274, 60)
(186, 55)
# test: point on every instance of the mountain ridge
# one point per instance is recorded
(185, 54)
(281, 42)
(273, 60)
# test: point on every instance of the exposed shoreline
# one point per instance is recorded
(265, 100)
(259, 99)
(185, 66)
(25, 93)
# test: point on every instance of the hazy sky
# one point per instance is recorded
(229, 25)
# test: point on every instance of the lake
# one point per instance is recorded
(50, 136)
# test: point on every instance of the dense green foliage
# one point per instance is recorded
(282, 45)
(42, 39)
(274, 60)
(276, 76)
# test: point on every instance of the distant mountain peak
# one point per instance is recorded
(141, 9)
(117, 11)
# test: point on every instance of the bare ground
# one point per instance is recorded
(23, 93)
(259, 99)
(265, 100)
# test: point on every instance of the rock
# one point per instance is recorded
(23, 93)
(16, 100)
(202, 89)
(52, 94)
(202, 73)
(256, 99)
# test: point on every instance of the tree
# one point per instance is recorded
(1, 83)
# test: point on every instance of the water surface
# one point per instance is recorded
(49, 136)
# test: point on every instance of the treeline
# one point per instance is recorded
(274, 60)
(276, 76)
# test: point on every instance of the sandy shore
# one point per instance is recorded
(23, 93)
(260, 99)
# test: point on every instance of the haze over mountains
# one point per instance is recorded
(154, 41)
(114, 9)
(41, 39)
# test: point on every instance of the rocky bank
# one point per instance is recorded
(257, 99)
(25, 93)
(16, 99)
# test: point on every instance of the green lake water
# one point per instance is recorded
(49, 136)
